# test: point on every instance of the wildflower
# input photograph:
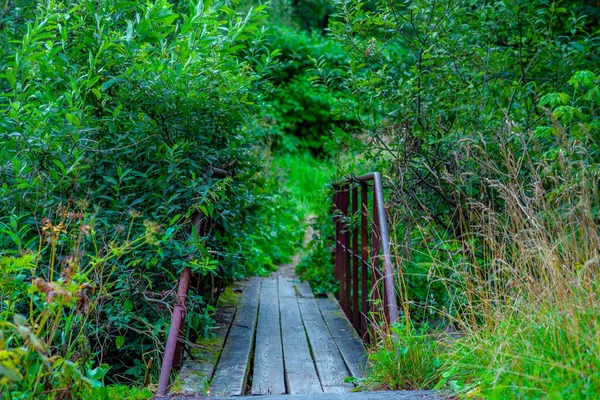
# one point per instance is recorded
(85, 229)
(9, 361)
(152, 230)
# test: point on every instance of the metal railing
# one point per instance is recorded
(173, 348)
(364, 286)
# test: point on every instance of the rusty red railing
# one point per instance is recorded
(173, 348)
(362, 281)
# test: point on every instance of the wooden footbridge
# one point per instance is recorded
(275, 338)
(278, 339)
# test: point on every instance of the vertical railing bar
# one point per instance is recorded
(179, 311)
(345, 272)
(355, 262)
(337, 254)
(173, 347)
(375, 294)
(364, 239)
(391, 308)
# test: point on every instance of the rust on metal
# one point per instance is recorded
(355, 262)
(344, 272)
(374, 259)
(171, 349)
(364, 255)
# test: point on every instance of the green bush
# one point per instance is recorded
(431, 78)
(483, 117)
(316, 265)
(112, 114)
(49, 323)
(302, 114)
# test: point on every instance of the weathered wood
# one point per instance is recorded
(268, 375)
(196, 373)
(300, 373)
(232, 369)
(350, 346)
(303, 345)
(328, 359)
(368, 395)
(303, 289)
(287, 287)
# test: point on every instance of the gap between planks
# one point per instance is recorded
(302, 345)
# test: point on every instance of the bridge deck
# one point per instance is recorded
(277, 339)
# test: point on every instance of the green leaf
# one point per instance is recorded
(72, 118)
(120, 342)
(108, 84)
(61, 166)
(110, 179)
(175, 219)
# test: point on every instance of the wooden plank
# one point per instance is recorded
(300, 373)
(303, 290)
(350, 346)
(232, 369)
(286, 287)
(268, 377)
(195, 374)
(329, 362)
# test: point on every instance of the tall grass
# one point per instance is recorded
(523, 273)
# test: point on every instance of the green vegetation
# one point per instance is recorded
(482, 117)
(306, 178)
(301, 113)
(112, 114)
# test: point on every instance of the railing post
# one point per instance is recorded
(390, 304)
(179, 311)
(336, 220)
(345, 265)
(375, 295)
(355, 262)
(174, 348)
(364, 254)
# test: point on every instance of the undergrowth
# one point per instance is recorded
(306, 177)
(523, 282)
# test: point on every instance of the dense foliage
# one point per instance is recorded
(432, 79)
(116, 118)
(112, 115)
(301, 114)
(484, 117)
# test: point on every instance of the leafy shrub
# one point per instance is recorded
(483, 116)
(48, 321)
(113, 113)
(305, 112)
(316, 266)
(429, 77)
